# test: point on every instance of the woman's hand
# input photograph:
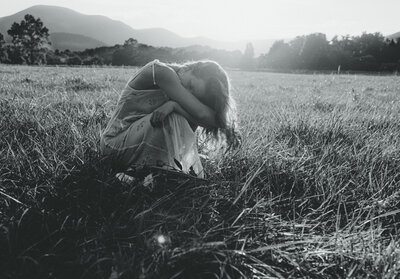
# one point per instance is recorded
(161, 113)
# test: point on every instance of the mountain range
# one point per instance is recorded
(76, 31)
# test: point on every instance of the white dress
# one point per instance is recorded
(131, 140)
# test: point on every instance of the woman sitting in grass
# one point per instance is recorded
(160, 108)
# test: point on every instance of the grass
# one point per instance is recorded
(312, 193)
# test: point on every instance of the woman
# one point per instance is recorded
(160, 108)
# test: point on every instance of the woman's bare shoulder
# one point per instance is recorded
(164, 75)
(145, 77)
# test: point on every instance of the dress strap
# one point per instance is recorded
(151, 63)
(154, 73)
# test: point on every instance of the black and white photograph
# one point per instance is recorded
(173, 139)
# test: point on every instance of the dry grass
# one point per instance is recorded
(312, 193)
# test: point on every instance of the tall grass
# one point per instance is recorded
(313, 191)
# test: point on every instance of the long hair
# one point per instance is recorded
(218, 97)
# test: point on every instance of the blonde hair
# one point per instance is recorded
(218, 97)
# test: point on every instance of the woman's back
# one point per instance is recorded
(135, 103)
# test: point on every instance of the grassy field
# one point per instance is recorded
(313, 192)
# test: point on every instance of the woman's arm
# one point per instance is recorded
(192, 122)
(189, 106)
(164, 110)
(178, 109)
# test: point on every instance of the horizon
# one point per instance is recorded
(239, 22)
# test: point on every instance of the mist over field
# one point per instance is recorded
(312, 192)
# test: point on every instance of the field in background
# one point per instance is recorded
(313, 191)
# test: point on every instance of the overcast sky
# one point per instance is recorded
(240, 19)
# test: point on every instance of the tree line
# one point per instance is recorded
(369, 52)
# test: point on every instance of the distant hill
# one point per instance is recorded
(76, 42)
(394, 36)
(63, 20)
(66, 21)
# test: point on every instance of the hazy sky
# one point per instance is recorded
(240, 19)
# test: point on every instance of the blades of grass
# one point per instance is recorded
(248, 182)
(11, 198)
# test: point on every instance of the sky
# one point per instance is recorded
(239, 19)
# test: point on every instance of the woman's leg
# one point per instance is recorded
(143, 144)
(182, 144)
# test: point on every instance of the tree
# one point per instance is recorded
(280, 56)
(30, 39)
(2, 50)
(370, 44)
(314, 52)
(127, 54)
(130, 42)
(74, 60)
(248, 57)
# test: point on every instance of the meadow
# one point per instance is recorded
(313, 191)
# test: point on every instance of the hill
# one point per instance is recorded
(115, 32)
(75, 42)
(111, 31)
(394, 36)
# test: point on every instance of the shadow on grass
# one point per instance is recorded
(89, 223)
(250, 219)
